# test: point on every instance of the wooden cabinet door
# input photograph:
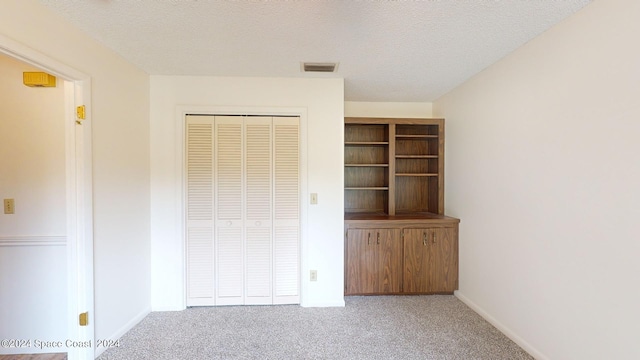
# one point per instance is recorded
(430, 260)
(416, 260)
(360, 262)
(373, 263)
(389, 264)
(443, 260)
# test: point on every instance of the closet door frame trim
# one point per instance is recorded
(180, 173)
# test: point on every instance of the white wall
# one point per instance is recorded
(543, 171)
(120, 116)
(388, 109)
(322, 244)
(32, 241)
(32, 153)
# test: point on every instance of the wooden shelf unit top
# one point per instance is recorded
(396, 121)
(375, 188)
(376, 219)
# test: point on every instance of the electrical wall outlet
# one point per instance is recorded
(313, 275)
(9, 206)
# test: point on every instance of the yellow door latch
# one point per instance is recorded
(81, 114)
(84, 319)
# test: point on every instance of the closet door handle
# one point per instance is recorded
(229, 223)
(369, 239)
(378, 241)
(424, 238)
(434, 238)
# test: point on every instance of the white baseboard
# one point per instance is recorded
(323, 304)
(123, 330)
(302, 304)
(167, 308)
(503, 329)
(55, 240)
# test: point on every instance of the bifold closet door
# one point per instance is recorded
(242, 210)
(286, 227)
(229, 199)
(199, 158)
(258, 177)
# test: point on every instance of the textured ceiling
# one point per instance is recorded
(386, 50)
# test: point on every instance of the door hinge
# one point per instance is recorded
(84, 319)
(80, 114)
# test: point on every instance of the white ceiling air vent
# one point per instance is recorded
(319, 67)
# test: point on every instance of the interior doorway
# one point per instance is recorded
(77, 240)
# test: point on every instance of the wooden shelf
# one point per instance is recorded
(417, 174)
(366, 143)
(416, 156)
(415, 137)
(366, 165)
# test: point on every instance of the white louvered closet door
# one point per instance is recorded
(259, 202)
(243, 219)
(199, 211)
(286, 227)
(229, 222)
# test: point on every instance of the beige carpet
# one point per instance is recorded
(371, 327)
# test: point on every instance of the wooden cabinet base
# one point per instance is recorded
(403, 254)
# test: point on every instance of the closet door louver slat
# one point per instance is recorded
(258, 266)
(229, 169)
(229, 269)
(286, 265)
(199, 172)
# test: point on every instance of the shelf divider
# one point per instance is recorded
(391, 203)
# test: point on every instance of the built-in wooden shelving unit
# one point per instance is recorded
(397, 239)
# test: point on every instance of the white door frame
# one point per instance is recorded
(79, 204)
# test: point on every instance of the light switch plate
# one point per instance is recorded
(9, 206)
(314, 198)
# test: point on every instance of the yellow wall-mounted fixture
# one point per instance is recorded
(38, 79)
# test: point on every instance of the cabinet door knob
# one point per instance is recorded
(229, 223)
(378, 240)
(424, 238)
(369, 239)
(258, 223)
